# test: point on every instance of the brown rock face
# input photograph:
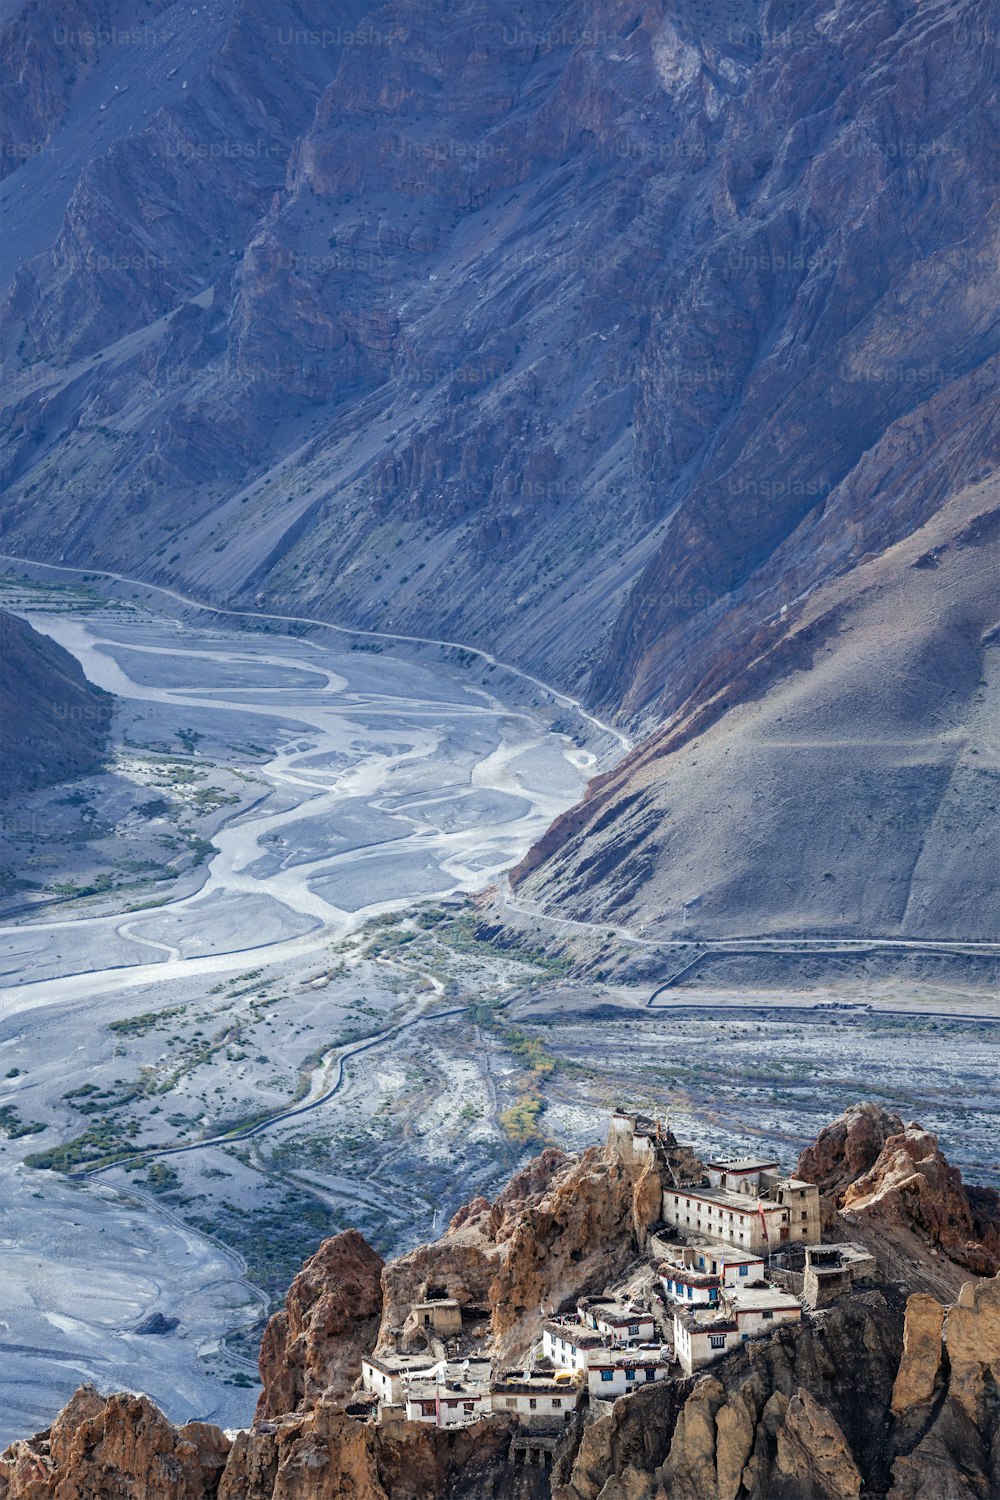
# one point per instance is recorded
(847, 1149)
(579, 1236)
(120, 1448)
(853, 1403)
(951, 1448)
(330, 1318)
(867, 1164)
(813, 1460)
(777, 1421)
(920, 1368)
(912, 1181)
(560, 1228)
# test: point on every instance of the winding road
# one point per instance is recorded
(348, 630)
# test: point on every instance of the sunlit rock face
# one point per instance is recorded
(884, 1394)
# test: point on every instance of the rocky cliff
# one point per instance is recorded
(882, 1394)
(879, 1173)
(53, 722)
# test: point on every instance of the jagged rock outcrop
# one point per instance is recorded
(116, 1446)
(330, 1318)
(878, 1396)
(575, 1240)
(53, 722)
(945, 1398)
(912, 1182)
(798, 1417)
(920, 1368)
(121, 1448)
(847, 1149)
(562, 1227)
(875, 1170)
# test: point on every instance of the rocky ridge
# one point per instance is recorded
(880, 1395)
(876, 1172)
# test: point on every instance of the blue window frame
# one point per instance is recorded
(607, 1374)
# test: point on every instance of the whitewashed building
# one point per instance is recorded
(385, 1375)
(450, 1395)
(704, 1335)
(541, 1400)
(569, 1345)
(693, 1288)
(619, 1372)
(618, 1322)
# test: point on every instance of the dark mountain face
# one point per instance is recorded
(53, 722)
(606, 335)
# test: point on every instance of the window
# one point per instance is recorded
(805, 1213)
(532, 1403)
(650, 1374)
(468, 1406)
(556, 1403)
(629, 1374)
(744, 1270)
(607, 1374)
(633, 1328)
(717, 1340)
(767, 1313)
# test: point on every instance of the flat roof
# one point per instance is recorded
(745, 1203)
(400, 1364)
(534, 1387)
(429, 1390)
(731, 1255)
(573, 1333)
(697, 1320)
(622, 1360)
(689, 1277)
(741, 1163)
(755, 1299)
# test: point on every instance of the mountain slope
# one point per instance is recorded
(848, 784)
(53, 722)
(609, 336)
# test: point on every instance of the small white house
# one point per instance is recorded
(759, 1310)
(700, 1340)
(535, 1398)
(618, 1322)
(693, 1288)
(440, 1403)
(618, 1372)
(569, 1345)
(450, 1395)
(385, 1377)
